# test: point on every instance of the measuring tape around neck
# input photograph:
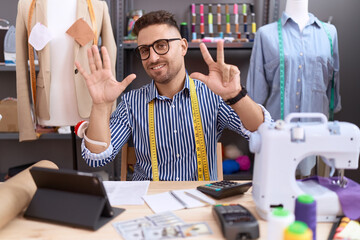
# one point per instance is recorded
(332, 104)
(282, 71)
(202, 163)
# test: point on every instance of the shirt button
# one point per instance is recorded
(175, 131)
(76, 71)
(297, 106)
(297, 93)
(177, 179)
(298, 80)
(301, 54)
(178, 155)
(300, 66)
(173, 106)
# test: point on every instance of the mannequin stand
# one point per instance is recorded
(73, 140)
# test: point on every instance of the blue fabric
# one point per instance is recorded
(308, 67)
(174, 131)
(230, 166)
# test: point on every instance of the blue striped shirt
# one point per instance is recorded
(174, 132)
(308, 67)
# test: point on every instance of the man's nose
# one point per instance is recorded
(153, 55)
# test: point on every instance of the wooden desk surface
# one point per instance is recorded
(21, 228)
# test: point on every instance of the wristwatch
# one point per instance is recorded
(238, 97)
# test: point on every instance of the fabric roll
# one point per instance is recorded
(17, 192)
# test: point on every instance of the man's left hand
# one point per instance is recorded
(223, 79)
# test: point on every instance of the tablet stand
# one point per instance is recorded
(70, 208)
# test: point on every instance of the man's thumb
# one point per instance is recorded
(199, 76)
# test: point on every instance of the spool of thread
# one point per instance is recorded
(279, 219)
(184, 31)
(305, 211)
(298, 231)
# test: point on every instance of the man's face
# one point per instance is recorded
(163, 68)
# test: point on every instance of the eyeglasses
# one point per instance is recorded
(161, 47)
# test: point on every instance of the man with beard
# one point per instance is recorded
(176, 120)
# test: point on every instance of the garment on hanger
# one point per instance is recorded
(309, 67)
(82, 98)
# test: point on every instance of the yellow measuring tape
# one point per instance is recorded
(202, 163)
(153, 153)
(93, 22)
(31, 49)
(31, 56)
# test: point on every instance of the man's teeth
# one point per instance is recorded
(158, 67)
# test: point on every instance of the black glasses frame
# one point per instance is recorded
(137, 49)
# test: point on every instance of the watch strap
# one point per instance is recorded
(238, 97)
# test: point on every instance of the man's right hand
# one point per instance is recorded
(101, 83)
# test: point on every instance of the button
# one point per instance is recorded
(173, 106)
(76, 71)
(300, 66)
(177, 179)
(175, 131)
(178, 155)
(298, 80)
(301, 54)
(297, 106)
(297, 93)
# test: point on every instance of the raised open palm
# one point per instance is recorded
(223, 79)
(102, 85)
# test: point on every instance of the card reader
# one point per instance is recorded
(237, 222)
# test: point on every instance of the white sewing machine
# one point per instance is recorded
(280, 146)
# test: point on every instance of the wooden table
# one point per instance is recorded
(21, 228)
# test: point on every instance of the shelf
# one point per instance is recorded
(15, 136)
(4, 68)
(192, 45)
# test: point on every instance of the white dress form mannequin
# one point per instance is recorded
(298, 11)
(63, 104)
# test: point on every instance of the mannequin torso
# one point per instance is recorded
(298, 11)
(63, 104)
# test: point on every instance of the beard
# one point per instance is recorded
(165, 76)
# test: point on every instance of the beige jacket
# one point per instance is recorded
(104, 29)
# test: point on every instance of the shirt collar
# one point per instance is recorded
(153, 92)
(312, 19)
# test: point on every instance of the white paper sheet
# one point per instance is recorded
(168, 202)
(39, 36)
(126, 193)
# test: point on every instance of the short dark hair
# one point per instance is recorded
(156, 17)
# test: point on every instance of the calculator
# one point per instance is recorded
(236, 222)
(223, 189)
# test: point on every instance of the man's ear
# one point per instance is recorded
(184, 45)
